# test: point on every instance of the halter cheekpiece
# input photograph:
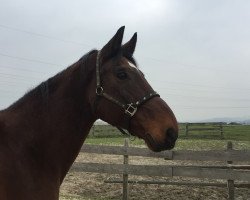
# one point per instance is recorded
(130, 108)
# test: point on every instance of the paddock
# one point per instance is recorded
(201, 174)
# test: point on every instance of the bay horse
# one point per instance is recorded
(41, 134)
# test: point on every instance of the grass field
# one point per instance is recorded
(196, 140)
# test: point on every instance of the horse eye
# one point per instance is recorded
(122, 75)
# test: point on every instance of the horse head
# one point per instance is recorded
(125, 99)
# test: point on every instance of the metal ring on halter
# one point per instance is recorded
(99, 90)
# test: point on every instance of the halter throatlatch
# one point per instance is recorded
(130, 108)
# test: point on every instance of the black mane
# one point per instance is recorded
(42, 91)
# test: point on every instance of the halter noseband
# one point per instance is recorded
(130, 108)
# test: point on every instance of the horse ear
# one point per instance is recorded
(114, 45)
(129, 48)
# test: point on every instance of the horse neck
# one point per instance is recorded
(53, 124)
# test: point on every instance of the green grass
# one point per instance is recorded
(182, 144)
(196, 140)
(231, 132)
(237, 132)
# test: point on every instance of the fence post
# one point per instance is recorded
(93, 130)
(186, 130)
(230, 183)
(125, 174)
(221, 131)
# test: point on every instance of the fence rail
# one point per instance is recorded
(210, 155)
(205, 127)
(227, 171)
(166, 171)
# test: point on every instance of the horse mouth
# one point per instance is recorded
(157, 147)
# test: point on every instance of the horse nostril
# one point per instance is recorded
(171, 135)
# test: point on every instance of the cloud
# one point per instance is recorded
(195, 53)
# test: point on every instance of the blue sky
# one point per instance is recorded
(194, 53)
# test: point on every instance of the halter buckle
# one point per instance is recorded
(130, 110)
(99, 90)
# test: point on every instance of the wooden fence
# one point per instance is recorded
(203, 128)
(228, 172)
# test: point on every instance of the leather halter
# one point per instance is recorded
(130, 108)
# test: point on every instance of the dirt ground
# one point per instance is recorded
(83, 186)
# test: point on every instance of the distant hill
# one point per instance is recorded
(246, 121)
(242, 120)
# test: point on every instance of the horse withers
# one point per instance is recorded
(41, 134)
